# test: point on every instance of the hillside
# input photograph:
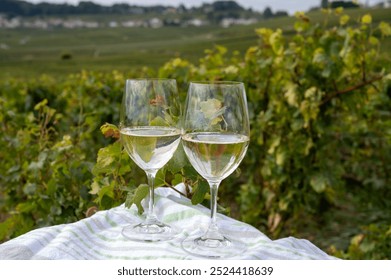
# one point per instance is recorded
(29, 52)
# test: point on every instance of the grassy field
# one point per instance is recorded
(25, 53)
(34, 52)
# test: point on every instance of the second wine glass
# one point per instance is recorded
(215, 140)
(149, 117)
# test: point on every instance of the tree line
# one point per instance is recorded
(23, 8)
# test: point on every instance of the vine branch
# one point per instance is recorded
(350, 89)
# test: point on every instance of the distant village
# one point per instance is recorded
(51, 23)
(223, 13)
(49, 16)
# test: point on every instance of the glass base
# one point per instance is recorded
(149, 232)
(213, 248)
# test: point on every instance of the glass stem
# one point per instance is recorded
(151, 217)
(213, 230)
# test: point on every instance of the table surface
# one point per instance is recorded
(99, 236)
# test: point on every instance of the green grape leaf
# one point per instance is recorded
(110, 130)
(190, 173)
(65, 144)
(160, 179)
(200, 190)
(159, 121)
(95, 187)
(26, 207)
(51, 187)
(344, 20)
(178, 178)
(41, 105)
(106, 193)
(212, 110)
(318, 183)
(366, 19)
(107, 159)
(385, 28)
(338, 10)
(7, 227)
(178, 160)
(145, 147)
(107, 190)
(136, 198)
(291, 94)
(30, 188)
(280, 157)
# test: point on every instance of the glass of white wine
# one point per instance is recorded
(216, 134)
(150, 133)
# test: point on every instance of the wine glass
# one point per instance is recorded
(149, 117)
(216, 134)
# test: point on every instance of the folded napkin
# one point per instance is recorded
(99, 236)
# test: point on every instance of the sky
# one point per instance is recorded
(286, 5)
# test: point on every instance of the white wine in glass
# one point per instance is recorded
(216, 137)
(149, 117)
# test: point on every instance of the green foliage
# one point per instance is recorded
(373, 243)
(46, 175)
(49, 145)
(320, 114)
(319, 104)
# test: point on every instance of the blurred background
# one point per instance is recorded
(317, 76)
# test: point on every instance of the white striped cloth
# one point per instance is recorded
(99, 236)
